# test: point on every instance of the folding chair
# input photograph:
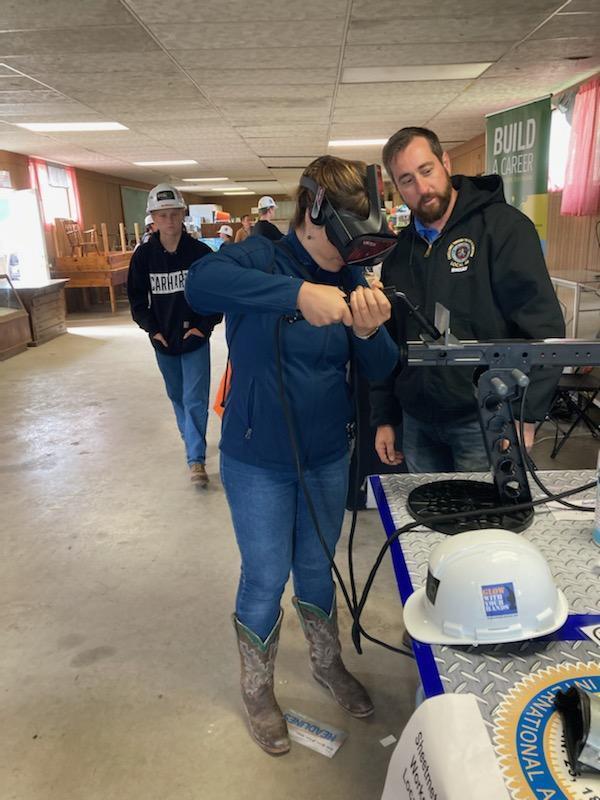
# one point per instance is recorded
(574, 397)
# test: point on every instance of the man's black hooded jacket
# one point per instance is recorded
(488, 269)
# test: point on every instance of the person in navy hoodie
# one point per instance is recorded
(258, 284)
(179, 336)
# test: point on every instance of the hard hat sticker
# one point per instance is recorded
(499, 600)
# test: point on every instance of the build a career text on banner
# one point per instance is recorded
(517, 147)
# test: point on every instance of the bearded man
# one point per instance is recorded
(466, 248)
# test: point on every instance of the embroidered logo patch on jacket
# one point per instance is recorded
(460, 253)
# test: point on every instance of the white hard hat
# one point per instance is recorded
(266, 202)
(148, 220)
(164, 196)
(226, 229)
(485, 587)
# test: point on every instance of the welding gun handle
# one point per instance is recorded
(426, 325)
(389, 292)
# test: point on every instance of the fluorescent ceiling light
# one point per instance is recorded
(164, 163)
(355, 142)
(200, 187)
(237, 194)
(204, 180)
(56, 127)
(423, 72)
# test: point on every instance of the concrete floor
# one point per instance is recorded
(118, 667)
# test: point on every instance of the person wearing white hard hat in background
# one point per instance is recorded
(180, 336)
(264, 226)
(149, 229)
(226, 234)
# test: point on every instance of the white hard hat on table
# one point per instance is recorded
(485, 587)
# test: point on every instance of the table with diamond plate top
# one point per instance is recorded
(512, 682)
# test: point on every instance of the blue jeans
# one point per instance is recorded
(187, 380)
(451, 446)
(275, 534)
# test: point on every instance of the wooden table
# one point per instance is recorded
(94, 271)
(45, 304)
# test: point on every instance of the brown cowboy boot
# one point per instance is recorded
(321, 631)
(267, 725)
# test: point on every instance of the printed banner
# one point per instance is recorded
(517, 147)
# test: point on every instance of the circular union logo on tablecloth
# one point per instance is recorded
(528, 736)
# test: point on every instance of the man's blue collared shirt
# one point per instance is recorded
(429, 234)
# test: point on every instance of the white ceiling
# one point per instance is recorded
(254, 89)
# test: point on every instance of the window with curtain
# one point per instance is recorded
(581, 193)
(560, 132)
(57, 187)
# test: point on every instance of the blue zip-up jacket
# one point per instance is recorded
(255, 283)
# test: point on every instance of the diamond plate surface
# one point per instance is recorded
(567, 545)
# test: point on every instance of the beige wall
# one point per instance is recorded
(469, 158)
(237, 206)
(16, 164)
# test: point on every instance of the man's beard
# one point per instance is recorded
(433, 213)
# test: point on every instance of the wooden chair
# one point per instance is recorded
(81, 241)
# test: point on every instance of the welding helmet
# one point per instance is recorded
(164, 196)
(485, 587)
(358, 240)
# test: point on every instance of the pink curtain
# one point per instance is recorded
(581, 193)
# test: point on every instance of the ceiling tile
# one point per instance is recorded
(569, 25)
(554, 72)
(553, 49)
(65, 110)
(18, 15)
(39, 65)
(398, 93)
(392, 9)
(106, 39)
(36, 96)
(403, 115)
(266, 148)
(264, 77)
(449, 30)
(11, 81)
(253, 58)
(277, 129)
(181, 36)
(283, 94)
(228, 12)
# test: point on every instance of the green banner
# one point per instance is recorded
(517, 146)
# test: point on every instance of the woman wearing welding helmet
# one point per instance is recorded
(284, 359)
